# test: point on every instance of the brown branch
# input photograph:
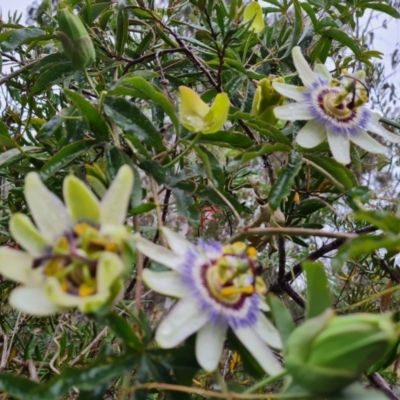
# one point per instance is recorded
(379, 383)
(284, 285)
(297, 269)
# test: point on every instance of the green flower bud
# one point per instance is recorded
(266, 98)
(329, 352)
(76, 42)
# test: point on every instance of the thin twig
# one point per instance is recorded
(379, 383)
(281, 274)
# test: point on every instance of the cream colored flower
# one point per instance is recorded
(218, 288)
(77, 253)
(334, 110)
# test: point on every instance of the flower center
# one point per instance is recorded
(73, 260)
(235, 274)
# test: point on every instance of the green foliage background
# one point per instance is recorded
(124, 110)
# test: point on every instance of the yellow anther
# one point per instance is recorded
(233, 290)
(260, 285)
(252, 252)
(53, 266)
(64, 285)
(86, 289)
(112, 246)
(82, 229)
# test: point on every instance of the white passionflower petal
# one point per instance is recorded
(183, 320)
(167, 283)
(176, 242)
(306, 74)
(367, 143)
(259, 350)
(268, 332)
(294, 112)
(17, 266)
(340, 147)
(26, 235)
(290, 91)
(158, 253)
(115, 202)
(32, 300)
(311, 135)
(48, 211)
(375, 127)
(323, 72)
(209, 345)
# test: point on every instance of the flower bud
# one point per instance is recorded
(329, 352)
(76, 42)
(265, 99)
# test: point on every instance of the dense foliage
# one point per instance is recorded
(195, 114)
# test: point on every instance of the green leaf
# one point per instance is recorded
(148, 91)
(337, 173)
(364, 244)
(384, 220)
(255, 152)
(123, 331)
(380, 6)
(64, 157)
(318, 293)
(122, 29)
(90, 114)
(129, 118)
(154, 169)
(227, 139)
(282, 317)
(284, 181)
(213, 166)
(19, 36)
(343, 38)
(5, 138)
(186, 206)
(52, 76)
(297, 28)
(17, 386)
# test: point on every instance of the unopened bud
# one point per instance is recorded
(76, 42)
(329, 352)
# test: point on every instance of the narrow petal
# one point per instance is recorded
(26, 234)
(183, 320)
(306, 74)
(290, 91)
(323, 72)
(259, 350)
(58, 296)
(17, 266)
(178, 244)
(158, 253)
(294, 112)
(218, 114)
(340, 147)
(311, 134)
(375, 127)
(367, 143)
(109, 268)
(209, 345)
(268, 332)
(168, 283)
(32, 300)
(115, 202)
(81, 203)
(48, 211)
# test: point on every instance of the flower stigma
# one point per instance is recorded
(73, 259)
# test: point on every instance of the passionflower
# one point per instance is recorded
(77, 253)
(335, 109)
(218, 287)
(196, 116)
